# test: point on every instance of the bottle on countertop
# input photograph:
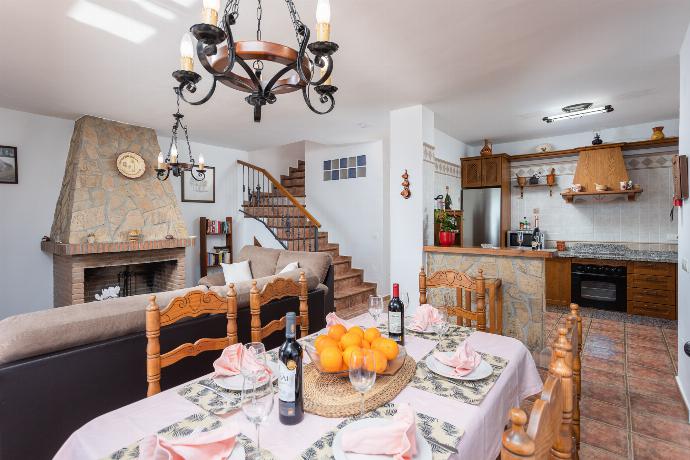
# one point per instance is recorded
(536, 234)
(447, 201)
(396, 317)
(290, 392)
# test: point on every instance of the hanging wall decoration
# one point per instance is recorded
(8, 165)
(406, 186)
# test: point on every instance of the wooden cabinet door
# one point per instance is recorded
(491, 171)
(557, 281)
(471, 172)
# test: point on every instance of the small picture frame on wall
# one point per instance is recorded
(9, 174)
(199, 191)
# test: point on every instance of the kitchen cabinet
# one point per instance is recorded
(487, 171)
(557, 274)
(652, 289)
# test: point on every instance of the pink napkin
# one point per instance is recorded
(424, 318)
(332, 319)
(464, 360)
(213, 445)
(396, 438)
(236, 358)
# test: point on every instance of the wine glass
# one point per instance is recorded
(257, 403)
(441, 326)
(375, 307)
(520, 238)
(362, 374)
(259, 351)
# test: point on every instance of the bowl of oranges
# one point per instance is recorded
(331, 352)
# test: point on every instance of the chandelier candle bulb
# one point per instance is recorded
(210, 12)
(186, 53)
(173, 154)
(323, 20)
(202, 165)
(161, 161)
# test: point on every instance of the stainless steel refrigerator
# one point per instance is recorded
(481, 212)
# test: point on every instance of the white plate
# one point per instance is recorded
(423, 447)
(481, 372)
(234, 383)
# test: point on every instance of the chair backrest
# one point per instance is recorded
(464, 286)
(278, 289)
(574, 324)
(192, 304)
(544, 437)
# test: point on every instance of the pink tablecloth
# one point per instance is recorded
(483, 424)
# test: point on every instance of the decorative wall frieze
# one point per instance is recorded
(444, 167)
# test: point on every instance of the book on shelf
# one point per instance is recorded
(217, 227)
(218, 257)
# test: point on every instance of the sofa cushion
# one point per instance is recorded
(234, 273)
(242, 289)
(213, 279)
(47, 331)
(315, 262)
(261, 260)
(288, 268)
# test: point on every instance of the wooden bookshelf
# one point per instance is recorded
(203, 243)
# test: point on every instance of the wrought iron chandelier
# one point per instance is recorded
(171, 161)
(220, 55)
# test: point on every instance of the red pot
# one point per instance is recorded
(446, 238)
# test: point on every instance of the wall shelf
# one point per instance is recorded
(637, 145)
(569, 196)
(523, 187)
(203, 252)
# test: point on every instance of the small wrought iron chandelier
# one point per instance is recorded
(171, 161)
(219, 54)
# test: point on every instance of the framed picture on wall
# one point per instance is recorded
(8, 165)
(199, 191)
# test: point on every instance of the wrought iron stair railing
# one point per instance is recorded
(267, 201)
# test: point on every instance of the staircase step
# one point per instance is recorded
(296, 170)
(356, 295)
(273, 211)
(354, 277)
(292, 182)
(297, 190)
(274, 201)
(342, 264)
(332, 249)
(294, 175)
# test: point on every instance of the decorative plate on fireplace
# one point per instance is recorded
(131, 165)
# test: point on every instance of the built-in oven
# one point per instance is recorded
(599, 286)
(513, 238)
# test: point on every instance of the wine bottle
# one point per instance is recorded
(290, 394)
(536, 234)
(447, 201)
(396, 317)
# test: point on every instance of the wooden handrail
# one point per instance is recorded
(284, 191)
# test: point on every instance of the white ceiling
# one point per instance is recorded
(488, 68)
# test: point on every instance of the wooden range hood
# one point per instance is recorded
(604, 166)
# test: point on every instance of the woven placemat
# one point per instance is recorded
(331, 396)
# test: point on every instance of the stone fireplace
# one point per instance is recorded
(98, 207)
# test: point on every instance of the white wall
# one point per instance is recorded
(449, 148)
(351, 210)
(26, 209)
(228, 200)
(410, 128)
(569, 141)
(277, 160)
(684, 229)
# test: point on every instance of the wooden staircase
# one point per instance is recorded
(280, 207)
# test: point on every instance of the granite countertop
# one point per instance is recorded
(618, 252)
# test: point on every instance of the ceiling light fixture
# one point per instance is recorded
(171, 163)
(578, 111)
(220, 54)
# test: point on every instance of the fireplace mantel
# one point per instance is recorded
(64, 249)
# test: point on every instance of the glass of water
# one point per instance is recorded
(257, 403)
(362, 374)
(375, 307)
(441, 327)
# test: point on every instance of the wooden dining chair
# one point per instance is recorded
(278, 289)
(548, 434)
(464, 286)
(192, 304)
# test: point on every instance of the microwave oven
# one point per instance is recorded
(512, 239)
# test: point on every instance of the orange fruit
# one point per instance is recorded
(376, 341)
(357, 330)
(366, 344)
(349, 353)
(331, 359)
(387, 346)
(379, 363)
(371, 334)
(336, 331)
(351, 338)
(323, 341)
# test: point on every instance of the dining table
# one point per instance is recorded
(481, 424)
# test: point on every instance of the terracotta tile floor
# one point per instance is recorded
(631, 407)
